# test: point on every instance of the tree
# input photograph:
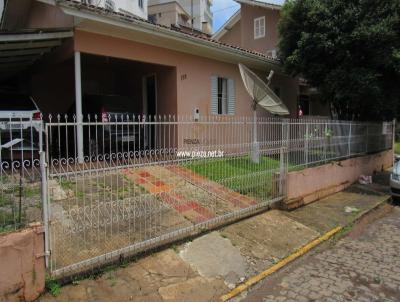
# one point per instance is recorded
(348, 50)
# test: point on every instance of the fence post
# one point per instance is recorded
(255, 147)
(393, 140)
(44, 195)
(306, 144)
(78, 106)
(349, 141)
(283, 163)
(367, 140)
(326, 138)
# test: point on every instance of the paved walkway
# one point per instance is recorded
(92, 216)
(189, 194)
(364, 266)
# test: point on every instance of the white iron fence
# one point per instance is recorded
(138, 182)
(20, 177)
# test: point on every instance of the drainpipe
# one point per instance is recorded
(78, 106)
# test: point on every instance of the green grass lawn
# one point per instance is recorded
(397, 148)
(239, 174)
(218, 169)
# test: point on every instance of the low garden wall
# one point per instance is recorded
(311, 184)
(22, 265)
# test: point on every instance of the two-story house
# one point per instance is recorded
(192, 14)
(135, 7)
(255, 26)
(169, 13)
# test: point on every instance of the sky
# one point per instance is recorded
(223, 9)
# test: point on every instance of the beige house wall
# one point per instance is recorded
(233, 36)
(169, 13)
(192, 74)
(42, 15)
(242, 33)
(289, 91)
(270, 41)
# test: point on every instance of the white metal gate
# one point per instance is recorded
(127, 196)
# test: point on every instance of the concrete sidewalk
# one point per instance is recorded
(207, 267)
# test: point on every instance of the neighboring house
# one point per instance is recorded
(169, 13)
(174, 13)
(255, 26)
(134, 7)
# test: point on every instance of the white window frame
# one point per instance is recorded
(223, 95)
(259, 27)
(140, 4)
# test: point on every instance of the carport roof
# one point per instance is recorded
(21, 49)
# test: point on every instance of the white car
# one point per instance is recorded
(20, 121)
(395, 181)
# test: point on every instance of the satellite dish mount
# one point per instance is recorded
(263, 96)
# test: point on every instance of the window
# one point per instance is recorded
(141, 4)
(153, 18)
(259, 27)
(222, 95)
(109, 5)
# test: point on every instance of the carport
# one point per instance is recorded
(20, 50)
(148, 89)
(45, 64)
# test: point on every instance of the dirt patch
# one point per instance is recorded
(372, 216)
(330, 212)
(265, 239)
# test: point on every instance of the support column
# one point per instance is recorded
(78, 106)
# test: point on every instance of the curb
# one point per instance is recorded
(374, 207)
(279, 265)
(303, 250)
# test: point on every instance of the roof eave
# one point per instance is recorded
(145, 27)
(260, 4)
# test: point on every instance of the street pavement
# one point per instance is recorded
(363, 266)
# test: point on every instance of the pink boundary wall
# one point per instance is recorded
(311, 184)
(22, 266)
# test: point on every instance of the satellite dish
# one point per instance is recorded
(263, 96)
